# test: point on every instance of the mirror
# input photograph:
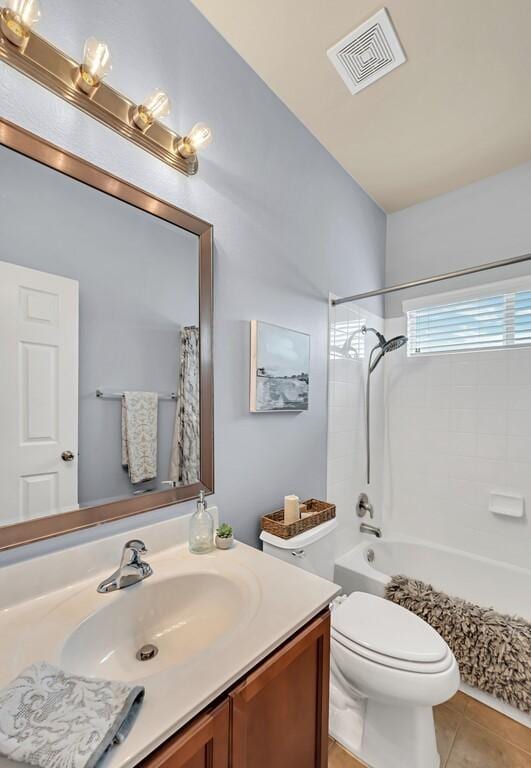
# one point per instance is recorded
(105, 360)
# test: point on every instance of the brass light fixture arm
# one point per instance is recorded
(53, 69)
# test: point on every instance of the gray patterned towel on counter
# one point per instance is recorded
(52, 719)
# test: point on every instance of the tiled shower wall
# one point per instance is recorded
(458, 427)
(346, 423)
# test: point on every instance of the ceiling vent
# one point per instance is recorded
(368, 53)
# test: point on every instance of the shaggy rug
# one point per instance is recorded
(493, 651)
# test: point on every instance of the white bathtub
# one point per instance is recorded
(485, 582)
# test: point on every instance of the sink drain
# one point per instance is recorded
(147, 652)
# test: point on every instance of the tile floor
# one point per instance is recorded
(469, 735)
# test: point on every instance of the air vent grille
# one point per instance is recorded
(368, 53)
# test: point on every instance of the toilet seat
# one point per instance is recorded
(389, 635)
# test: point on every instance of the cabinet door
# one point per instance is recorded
(280, 711)
(202, 744)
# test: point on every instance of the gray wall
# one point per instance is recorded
(484, 221)
(290, 224)
(138, 286)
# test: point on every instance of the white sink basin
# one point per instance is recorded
(182, 616)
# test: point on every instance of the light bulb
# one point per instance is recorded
(199, 137)
(96, 64)
(156, 105)
(17, 18)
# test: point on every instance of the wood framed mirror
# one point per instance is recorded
(106, 310)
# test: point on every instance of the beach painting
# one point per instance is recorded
(280, 368)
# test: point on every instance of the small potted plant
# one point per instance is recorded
(224, 539)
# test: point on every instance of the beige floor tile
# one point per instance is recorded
(499, 724)
(339, 758)
(476, 747)
(446, 723)
(458, 702)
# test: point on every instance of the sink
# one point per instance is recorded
(172, 620)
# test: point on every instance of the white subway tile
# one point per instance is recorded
(492, 446)
(464, 369)
(464, 444)
(519, 366)
(518, 448)
(463, 420)
(464, 397)
(491, 396)
(519, 423)
(519, 397)
(491, 421)
(341, 444)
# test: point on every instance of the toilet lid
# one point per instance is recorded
(387, 629)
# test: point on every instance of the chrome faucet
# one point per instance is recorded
(364, 505)
(132, 568)
(366, 528)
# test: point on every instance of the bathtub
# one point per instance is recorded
(369, 566)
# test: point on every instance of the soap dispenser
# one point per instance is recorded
(201, 534)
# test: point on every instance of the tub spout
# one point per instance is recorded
(373, 529)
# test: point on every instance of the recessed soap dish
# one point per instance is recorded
(505, 504)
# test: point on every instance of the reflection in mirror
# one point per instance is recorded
(99, 316)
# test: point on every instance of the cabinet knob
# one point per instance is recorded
(67, 456)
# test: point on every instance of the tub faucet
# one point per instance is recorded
(373, 529)
(132, 568)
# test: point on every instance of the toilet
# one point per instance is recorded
(389, 668)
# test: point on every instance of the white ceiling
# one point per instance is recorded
(457, 111)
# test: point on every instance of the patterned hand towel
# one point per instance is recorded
(139, 435)
(51, 719)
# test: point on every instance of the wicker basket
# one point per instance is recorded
(321, 512)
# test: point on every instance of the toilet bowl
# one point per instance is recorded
(402, 668)
(389, 668)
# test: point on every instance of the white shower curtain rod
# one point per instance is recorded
(435, 279)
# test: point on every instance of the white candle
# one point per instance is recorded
(291, 508)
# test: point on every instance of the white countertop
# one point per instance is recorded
(283, 599)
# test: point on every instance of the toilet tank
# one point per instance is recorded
(313, 550)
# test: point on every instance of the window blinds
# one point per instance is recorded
(492, 322)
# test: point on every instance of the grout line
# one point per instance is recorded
(494, 732)
(459, 723)
(496, 735)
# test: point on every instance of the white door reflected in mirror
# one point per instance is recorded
(39, 404)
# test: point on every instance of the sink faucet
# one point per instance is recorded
(366, 528)
(132, 568)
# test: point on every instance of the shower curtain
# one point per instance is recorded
(185, 452)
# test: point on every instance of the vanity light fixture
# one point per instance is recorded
(156, 106)
(17, 17)
(199, 137)
(96, 64)
(83, 86)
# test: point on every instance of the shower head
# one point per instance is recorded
(395, 343)
(383, 346)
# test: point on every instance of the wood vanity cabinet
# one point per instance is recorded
(275, 717)
(204, 743)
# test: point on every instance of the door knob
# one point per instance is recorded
(67, 456)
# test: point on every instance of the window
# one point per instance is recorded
(493, 317)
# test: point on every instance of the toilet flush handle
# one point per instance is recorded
(298, 553)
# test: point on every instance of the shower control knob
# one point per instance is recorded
(364, 505)
(67, 456)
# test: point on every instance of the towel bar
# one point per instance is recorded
(119, 395)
